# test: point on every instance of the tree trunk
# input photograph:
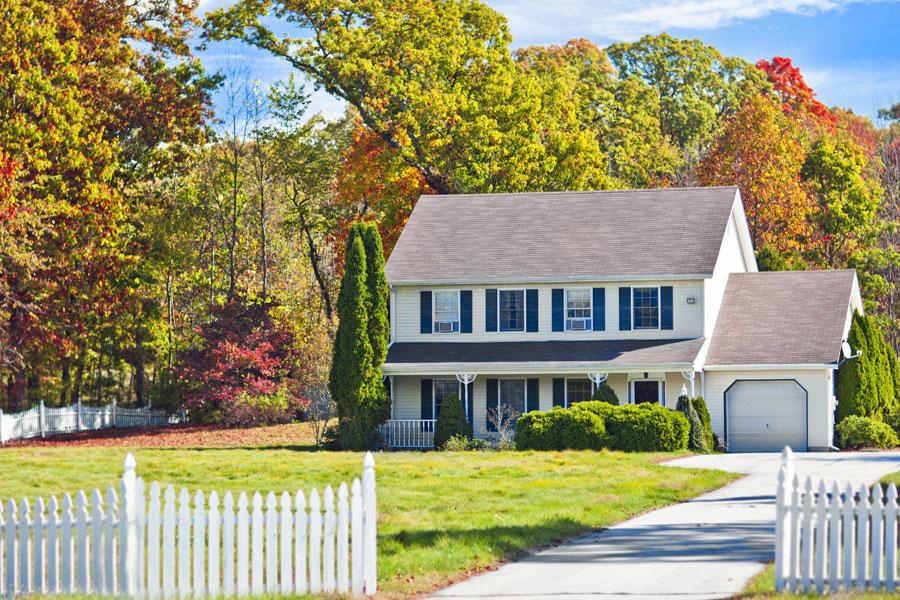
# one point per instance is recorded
(15, 386)
(66, 377)
(314, 260)
(170, 306)
(79, 373)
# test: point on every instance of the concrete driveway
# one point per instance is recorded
(709, 547)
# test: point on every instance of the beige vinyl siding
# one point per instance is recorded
(817, 383)
(687, 318)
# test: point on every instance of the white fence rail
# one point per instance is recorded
(40, 421)
(129, 543)
(830, 538)
(407, 433)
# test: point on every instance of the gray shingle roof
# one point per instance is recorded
(611, 352)
(790, 317)
(560, 235)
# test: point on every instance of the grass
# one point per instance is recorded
(442, 516)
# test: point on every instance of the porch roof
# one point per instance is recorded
(407, 357)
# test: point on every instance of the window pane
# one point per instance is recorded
(578, 310)
(646, 308)
(578, 390)
(512, 394)
(512, 310)
(442, 389)
(446, 312)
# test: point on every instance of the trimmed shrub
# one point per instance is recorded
(697, 437)
(604, 393)
(451, 421)
(700, 406)
(597, 407)
(647, 428)
(560, 429)
(864, 432)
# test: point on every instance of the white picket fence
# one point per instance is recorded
(40, 421)
(830, 538)
(129, 544)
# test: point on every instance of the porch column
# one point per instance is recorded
(597, 378)
(466, 379)
(690, 376)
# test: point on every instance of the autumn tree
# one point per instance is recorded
(445, 94)
(760, 152)
(798, 100)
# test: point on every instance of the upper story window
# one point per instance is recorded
(511, 304)
(578, 309)
(645, 306)
(446, 312)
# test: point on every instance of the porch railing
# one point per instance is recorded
(407, 433)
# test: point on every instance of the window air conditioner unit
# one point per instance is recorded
(445, 326)
(578, 324)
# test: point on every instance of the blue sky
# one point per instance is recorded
(847, 50)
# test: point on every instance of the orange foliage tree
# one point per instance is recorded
(797, 98)
(760, 152)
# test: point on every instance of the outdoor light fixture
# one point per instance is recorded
(691, 300)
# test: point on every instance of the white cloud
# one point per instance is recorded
(627, 20)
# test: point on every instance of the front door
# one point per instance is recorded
(646, 391)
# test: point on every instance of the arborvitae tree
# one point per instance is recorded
(353, 380)
(697, 440)
(854, 386)
(882, 368)
(604, 393)
(451, 421)
(895, 377)
(377, 305)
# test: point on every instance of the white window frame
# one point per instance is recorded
(661, 389)
(566, 388)
(434, 408)
(524, 381)
(524, 310)
(658, 327)
(590, 319)
(434, 311)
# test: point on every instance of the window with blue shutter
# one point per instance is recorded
(558, 319)
(427, 399)
(559, 391)
(531, 310)
(465, 311)
(493, 399)
(624, 308)
(490, 310)
(533, 395)
(599, 309)
(425, 312)
(665, 307)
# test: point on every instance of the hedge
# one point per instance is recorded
(865, 432)
(594, 425)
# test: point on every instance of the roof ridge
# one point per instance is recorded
(571, 192)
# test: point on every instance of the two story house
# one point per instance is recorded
(530, 300)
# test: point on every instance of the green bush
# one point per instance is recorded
(451, 421)
(865, 432)
(700, 406)
(647, 428)
(560, 429)
(697, 437)
(604, 393)
(595, 425)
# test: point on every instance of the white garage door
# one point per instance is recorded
(765, 416)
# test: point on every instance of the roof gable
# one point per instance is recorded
(782, 318)
(553, 236)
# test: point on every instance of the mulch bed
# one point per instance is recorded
(179, 436)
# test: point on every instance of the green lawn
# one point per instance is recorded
(442, 515)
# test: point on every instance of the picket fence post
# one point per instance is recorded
(114, 419)
(2, 439)
(370, 568)
(782, 532)
(78, 410)
(41, 418)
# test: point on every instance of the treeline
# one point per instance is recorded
(149, 251)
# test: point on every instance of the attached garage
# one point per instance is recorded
(766, 415)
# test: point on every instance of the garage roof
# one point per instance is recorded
(781, 318)
(552, 236)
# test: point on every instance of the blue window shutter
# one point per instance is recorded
(624, 308)
(559, 391)
(493, 399)
(465, 311)
(531, 310)
(427, 399)
(490, 310)
(425, 324)
(665, 307)
(559, 321)
(471, 403)
(599, 316)
(533, 395)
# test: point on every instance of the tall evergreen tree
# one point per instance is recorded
(353, 380)
(853, 381)
(378, 297)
